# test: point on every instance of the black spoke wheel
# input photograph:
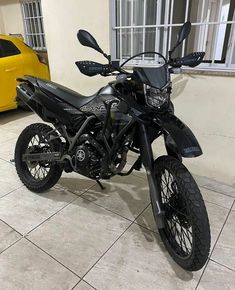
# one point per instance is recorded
(187, 233)
(38, 176)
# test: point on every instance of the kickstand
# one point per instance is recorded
(100, 185)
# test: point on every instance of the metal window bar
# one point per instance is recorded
(216, 34)
(41, 35)
(33, 24)
(158, 29)
(166, 20)
(28, 5)
(203, 25)
(144, 29)
(185, 19)
(202, 29)
(173, 24)
(132, 27)
(231, 46)
(171, 20)
(120, 21)
(35, 37)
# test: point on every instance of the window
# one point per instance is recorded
(7, 48)
(153, 25)
(33, 24)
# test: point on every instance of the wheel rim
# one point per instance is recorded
(178, 228)
(38, 170)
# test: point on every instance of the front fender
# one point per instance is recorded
(177, 132)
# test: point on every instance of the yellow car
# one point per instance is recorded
(16, 60)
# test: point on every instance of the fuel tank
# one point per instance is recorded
(99, 107)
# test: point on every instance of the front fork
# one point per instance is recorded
(148, 162)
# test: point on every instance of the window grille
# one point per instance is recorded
(153, 25)
(33, 24)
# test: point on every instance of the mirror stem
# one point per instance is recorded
(170, 53)
(107, 56)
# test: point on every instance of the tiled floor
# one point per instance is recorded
(76, 236)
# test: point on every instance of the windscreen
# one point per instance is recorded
(156, 77)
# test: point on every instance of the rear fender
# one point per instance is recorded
(179, 139)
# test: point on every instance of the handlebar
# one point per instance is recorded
(91, 68)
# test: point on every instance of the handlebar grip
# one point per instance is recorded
(91, 68)
(192, 60)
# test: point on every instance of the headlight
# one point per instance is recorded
(156, 98)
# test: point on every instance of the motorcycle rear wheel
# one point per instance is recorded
(37, 176)
(186, 235)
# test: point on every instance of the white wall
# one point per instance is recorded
(207, 105)
(11, 17)
(2, 28)
(62, 20)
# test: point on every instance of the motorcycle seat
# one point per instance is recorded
(69, 96)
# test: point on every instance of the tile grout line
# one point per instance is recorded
(214, 245)
(219, 192)
(11, 191)
(74, 199)
(222, 265)
(205, 200)
(113, 244)
(134, 221)
(84, 282)
(107, 250)
(45, 252)
(11, 227)
(88, 284)
(11, 245)
(8, 161)
(25, 235)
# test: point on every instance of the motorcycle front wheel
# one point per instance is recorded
(186, 234)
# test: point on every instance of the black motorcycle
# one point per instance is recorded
(93, 135)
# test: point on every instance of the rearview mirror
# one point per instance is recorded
(86, 39)
(184, 32)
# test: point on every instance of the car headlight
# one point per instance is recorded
(156, 98)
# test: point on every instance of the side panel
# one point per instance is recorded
(180, 134)
(48, 107)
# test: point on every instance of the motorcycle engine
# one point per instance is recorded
(90, 159)
(87, 161)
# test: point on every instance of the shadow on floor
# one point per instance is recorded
(13, 115)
